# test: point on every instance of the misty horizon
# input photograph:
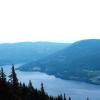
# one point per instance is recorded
(47, 41)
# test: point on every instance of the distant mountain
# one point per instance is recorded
(79, 61)
(27, 51)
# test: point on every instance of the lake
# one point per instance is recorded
(54, 86)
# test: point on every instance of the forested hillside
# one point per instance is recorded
(24, 52)
(79, 61)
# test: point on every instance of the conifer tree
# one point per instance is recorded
(64, 96)
(30, 85)
(61, 97)
(2, 75)
(13, 77)
(69, 98)
(24, 86)
(87, 98)
(22, 91)
(42, 88)
(20, 84)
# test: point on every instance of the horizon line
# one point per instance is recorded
(2, 42)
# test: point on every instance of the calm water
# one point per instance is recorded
(55, 86)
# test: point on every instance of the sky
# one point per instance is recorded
(49, 20)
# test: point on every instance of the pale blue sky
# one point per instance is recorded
(49, 20)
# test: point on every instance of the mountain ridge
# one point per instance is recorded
(24, 52)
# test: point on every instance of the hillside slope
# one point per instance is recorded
(80, 61)
(27, 51)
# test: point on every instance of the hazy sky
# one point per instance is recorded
(49, 20)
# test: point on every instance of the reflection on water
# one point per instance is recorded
(55, 86)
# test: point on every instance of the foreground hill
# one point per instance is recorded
(80, 61)
(27, 51)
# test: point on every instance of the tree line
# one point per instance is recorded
(12, 89)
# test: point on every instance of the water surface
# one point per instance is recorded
(54, 86)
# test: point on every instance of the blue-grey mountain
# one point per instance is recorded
(27, 51)
(79, 61)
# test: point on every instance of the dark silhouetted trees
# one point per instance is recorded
(2, 75)
(13, 77)
(13, 90)
(69, 98)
